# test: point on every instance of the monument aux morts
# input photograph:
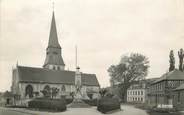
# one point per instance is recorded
(28, 82)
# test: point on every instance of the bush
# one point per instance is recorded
(92, 102)
(68, 100)
(48, 104)
(107, 104)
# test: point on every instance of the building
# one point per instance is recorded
(28, 82)
(6, 98)
(161, 91)
(179, 97)
(137, 92)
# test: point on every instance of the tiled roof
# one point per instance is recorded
(173, 75)
(181, 87)
(42, 75)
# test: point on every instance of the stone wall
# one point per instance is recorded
(62, 91)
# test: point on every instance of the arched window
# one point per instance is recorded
(63, 88)
(46, 91)
(29, 91)
(47, 87)
(58, 68)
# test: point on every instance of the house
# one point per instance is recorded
(137, 92)
(161, 91)
(6, 98)
(179, 97)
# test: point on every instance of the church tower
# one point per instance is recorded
(54, 58)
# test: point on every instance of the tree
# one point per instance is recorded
(50, 92)
(72, 94)
(54, 92)
(171, 61)
(102, 92)
(130, 69)
(181, 56)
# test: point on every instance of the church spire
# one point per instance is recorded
(53, 38)
(54, 58)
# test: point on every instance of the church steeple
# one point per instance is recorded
(54, 59)
(53, 38)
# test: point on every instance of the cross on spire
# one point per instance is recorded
(53, 5)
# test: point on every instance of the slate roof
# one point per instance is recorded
(55, 60)
(173, 75)
(53, 38)
(42, 75)
(53, 46)
(181, 87)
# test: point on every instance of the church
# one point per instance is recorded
(28, 82)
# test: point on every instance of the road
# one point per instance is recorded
(126, 110)
(4, 111)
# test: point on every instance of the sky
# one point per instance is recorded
(103, 31)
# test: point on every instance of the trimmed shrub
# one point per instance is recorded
(107, 104)
(68, 100)
(48, 104)
(92, 102)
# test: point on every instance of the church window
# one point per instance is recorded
(58, 68)
(47, 87)
(46, 91)
(63, 88)
(54, 67)
(29, 91)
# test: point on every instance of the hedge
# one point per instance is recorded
(107, 104)
(92, 102)
(68, 100)
(48, 104)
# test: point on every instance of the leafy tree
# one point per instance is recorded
(90, 95)
(50, 92)
(72, 94)
(54, 92)
(181, 56)
(130, 69)
(102, 92)
(171, 61)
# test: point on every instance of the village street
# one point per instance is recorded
(126, 110)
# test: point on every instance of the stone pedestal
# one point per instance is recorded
(78, 102)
